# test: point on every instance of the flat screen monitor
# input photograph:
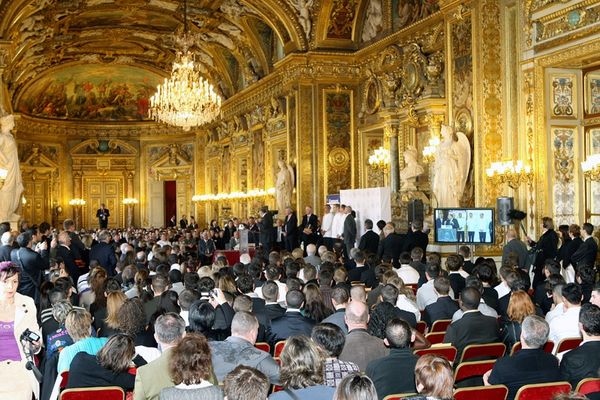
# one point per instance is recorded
(464, 225)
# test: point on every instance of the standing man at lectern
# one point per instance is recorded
(102, 214)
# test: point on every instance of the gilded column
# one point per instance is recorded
(306, 193)
(391, 132)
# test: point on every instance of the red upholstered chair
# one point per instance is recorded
(548, 347)
(399, 396)
(278, 348)
(64, 378)
(422, 327)
(471, 369)
(490, 350)
(542, 391)
(263, 346)
(449, 352)
(436, 337)
(568, 344)
(494, 392)
(588, 385)
(93, 393)
(441, 325)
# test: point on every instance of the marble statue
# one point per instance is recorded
(374, 20)
(303, 7)
(409, 174)
(11, 191)
(284, 186)
(451, 167)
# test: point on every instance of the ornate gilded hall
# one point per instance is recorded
(321, 85)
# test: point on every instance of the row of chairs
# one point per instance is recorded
(539, 391)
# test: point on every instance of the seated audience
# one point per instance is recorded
(189, 368)
(339, 299)
(426, 294)
(201, 319)
(595, 295)
(292, 322)
(355, 387)
(238, 349)
(360, 348)
(473, 327)
(434, 378)
(519, 307)
(79, 327)
(473, 282)
(456, 275)
(270, 292)
(245, 383)
(583, 362)
(331, 340)
(529, 365)
(109, 367)
(110, 325)
(444, 307)
(386, 310)
(314, 307)
(384, 371)
(566, 325)
(302, 372)
(406, 272)
(59, 339)
(557, 302)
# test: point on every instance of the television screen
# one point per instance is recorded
(464, 225)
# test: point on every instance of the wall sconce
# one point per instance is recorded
(380, 159)
(3, 175)
(513, 173)
(130, 202)
(77, 205)
(591, 167)
(430, 150)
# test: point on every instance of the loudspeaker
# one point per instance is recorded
(503, 206)
(415, 210)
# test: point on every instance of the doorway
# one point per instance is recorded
(170, 201)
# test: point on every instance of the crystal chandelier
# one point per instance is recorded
(185, 99)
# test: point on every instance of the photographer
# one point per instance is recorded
(19, 333)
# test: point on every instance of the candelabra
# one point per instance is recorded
(130, 204)
(77, 205)
(513, 173)
(3, 175)
(430, 150)
(380, 159)
(591, 167)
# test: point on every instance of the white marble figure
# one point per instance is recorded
(303, 7)
(409, 174)
(284, 186)
(374, 20)
(451, 167)
(10, 193)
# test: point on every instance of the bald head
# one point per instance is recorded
(357, 315)
(511, 234)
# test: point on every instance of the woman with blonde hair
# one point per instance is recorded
(519, 307)
(406, 297)
(301, 373)
(434, 378)
(110, 324)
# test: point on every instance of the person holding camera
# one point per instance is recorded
(19, 338)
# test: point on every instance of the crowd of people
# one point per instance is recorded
(162, 314)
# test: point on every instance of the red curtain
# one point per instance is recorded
(170, 201)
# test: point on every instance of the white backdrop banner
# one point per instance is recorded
(371, 203)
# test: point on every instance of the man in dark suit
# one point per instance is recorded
(290, 229)
(444, 307)
(245, 285)
(473, 327)
(369, 242)
(308, 227)
(360, 270)
(349, 232)
(293, 322)
(529, 365)
(392, 245)
(102, 214)
(253, 231)
(206, 248)
(546, 248)
(583, 362)
(265, 227)
(384, 371)
(516, 246)
(183, 222)
(6, 246)
(32, 265)
(76, 246)
(587, 252)
(570, 246)
(270, 292)
(64, 251)
(104, 253)
(417, 238)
